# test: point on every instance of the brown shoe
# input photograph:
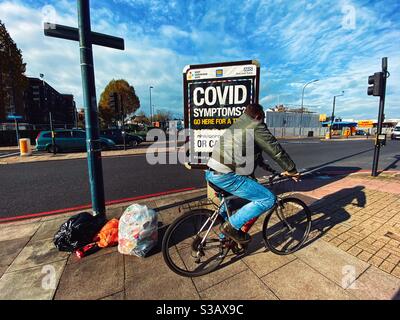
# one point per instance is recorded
(236, 235)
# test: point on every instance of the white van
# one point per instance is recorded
(396, 132)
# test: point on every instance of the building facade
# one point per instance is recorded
(40, 99)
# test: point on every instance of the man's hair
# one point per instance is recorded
(254, 110)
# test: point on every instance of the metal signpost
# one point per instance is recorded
(214, 96)
(378, 89)
(15, 118)
(53, 134)
(86, 39)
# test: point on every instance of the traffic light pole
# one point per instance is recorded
(122, 120)
(16, 131)
(332, 117)
(381, 116)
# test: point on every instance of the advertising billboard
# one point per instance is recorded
(215, 95)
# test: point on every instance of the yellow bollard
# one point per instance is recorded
(25, 147)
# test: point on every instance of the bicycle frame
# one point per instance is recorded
(224, 201)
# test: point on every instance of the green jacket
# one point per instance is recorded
(242, 152)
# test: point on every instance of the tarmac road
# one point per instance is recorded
(29, 188)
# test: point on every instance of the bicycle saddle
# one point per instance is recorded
(222, 192)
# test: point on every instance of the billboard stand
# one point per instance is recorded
(214, 96)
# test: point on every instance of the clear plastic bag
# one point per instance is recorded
(137, 230)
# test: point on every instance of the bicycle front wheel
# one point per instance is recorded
(286, 229)
(191, 245)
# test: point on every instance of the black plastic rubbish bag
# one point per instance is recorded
(78, 231)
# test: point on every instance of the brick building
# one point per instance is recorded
(40, 99)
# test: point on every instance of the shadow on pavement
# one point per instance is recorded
(393, 165)
(326, 213)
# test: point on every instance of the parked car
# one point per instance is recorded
(361, 133)
(67, 140)
(116, 135)
(396, 133)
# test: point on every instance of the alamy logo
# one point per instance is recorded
(349, 17)
(349, 277)
(49, 280)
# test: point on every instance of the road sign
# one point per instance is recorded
(215, 95)
(322, 117)
(365, 123)
(14, 117)
(86, 39)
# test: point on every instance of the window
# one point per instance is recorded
(63, 134)
(46, 135)
(79, 134)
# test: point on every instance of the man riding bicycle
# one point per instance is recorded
(232, 164)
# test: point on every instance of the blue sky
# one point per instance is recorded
(338, 42)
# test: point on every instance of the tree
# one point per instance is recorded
(126, 93)
(12, 75)
(142, 118)
(81, 118)
(162, 116)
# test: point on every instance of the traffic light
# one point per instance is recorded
(376, 81)
(113, 102)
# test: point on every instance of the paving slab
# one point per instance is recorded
(375, 284)
(38, 283)
(91, 279)
(37, 253)
(227, 270)
(15, 231)
(242, 286)
(48, 229)
(151, 279)
(10, 249)
(298, 281)
(2, 270)
(263, 262)
(74, 259)
(331, 261)
(116, 296)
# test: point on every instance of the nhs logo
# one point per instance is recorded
(219, 73)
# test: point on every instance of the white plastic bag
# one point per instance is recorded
(137, 230)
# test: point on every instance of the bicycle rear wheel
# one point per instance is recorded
(286, 229)
(191, 246)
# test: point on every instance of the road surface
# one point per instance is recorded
(29, 188)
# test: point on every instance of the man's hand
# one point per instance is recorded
(294, 175)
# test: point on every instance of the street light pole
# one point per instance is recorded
(302, 99)
(45, 106)
(333, 113)
(151, 112)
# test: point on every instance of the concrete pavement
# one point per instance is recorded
(352, 216)
(45, 156)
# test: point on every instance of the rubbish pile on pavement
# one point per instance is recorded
(136, 233)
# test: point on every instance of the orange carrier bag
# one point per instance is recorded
(108, 235)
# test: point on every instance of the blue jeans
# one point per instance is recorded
(261, 199)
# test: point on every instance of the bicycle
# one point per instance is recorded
(193, 246)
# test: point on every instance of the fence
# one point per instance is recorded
(292, 120)
(8, 137)
(284, 132)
